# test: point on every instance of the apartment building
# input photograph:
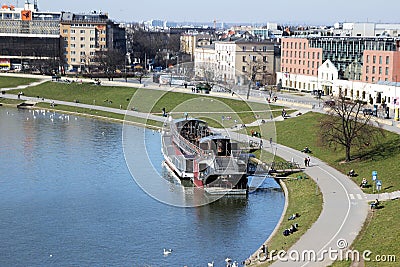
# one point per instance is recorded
(54, 41)
(365, 68)
(86, 34)
(238, 59)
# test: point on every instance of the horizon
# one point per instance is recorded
(308, 12)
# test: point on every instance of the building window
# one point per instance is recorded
(264, 49)
(73, 60)
(254, 58)
(65, 31)
(264, 58)
(374, 59)
(300, 46)
(72, 38)
(243, 48)
(244, 58)
(367, 58)
(373, 79)
(82, 53)
(82, 46)
(243, 68)
(366, 78)
(82, 31)
(72, 45)
(380, 59)
(380, 70)
(72, 31)
(387, 60)
(386, 71)
(367, 69)
(73, 52)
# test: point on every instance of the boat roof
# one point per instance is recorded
(188, 119)
(214, 137)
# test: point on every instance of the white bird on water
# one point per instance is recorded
(211, 264)
(167, 252)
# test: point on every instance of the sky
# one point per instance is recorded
(321, 12)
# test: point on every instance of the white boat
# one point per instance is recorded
(211, 161)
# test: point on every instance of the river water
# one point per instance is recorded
(67, 198)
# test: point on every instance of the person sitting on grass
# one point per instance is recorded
(352, 173)
(364, 183)
(375, 204)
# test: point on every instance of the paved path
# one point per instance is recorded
(345, 206)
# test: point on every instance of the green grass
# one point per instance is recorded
(379, 235)
(152, 101)
(10, 101)
(10, 82)
(85, 93)
(383, 157)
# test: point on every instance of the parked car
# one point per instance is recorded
(368, 111)
(329, 103)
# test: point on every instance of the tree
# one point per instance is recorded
(346, 125)
(109, 61)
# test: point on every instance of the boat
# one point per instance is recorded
(210, 160)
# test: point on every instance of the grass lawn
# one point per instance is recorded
(383, 157)
(147, 100)
(10, 82)
(84, 93)
(380, 236)
(10, 101)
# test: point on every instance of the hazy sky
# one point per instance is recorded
(253, 11)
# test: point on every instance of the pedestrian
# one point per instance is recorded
(261, 144)
(308, 161)
(270, 141)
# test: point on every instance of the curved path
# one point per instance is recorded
(344, 211)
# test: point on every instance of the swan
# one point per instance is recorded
(167, 252)
(211, 264)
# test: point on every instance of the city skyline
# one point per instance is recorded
(259, 11)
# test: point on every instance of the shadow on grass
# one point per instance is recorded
(381, 151)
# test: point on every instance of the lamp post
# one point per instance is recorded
(251, 77)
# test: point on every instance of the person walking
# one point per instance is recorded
(308, 161)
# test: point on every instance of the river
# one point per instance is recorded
(69, 199)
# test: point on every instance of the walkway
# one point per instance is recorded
(345, 208)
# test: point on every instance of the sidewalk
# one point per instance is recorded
(344, 210)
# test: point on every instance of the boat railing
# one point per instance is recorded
(185, 144)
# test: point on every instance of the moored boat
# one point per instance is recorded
(210, 160)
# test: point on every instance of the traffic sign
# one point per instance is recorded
(374, 175)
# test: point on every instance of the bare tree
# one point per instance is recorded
(109, 61)
(346, 125)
